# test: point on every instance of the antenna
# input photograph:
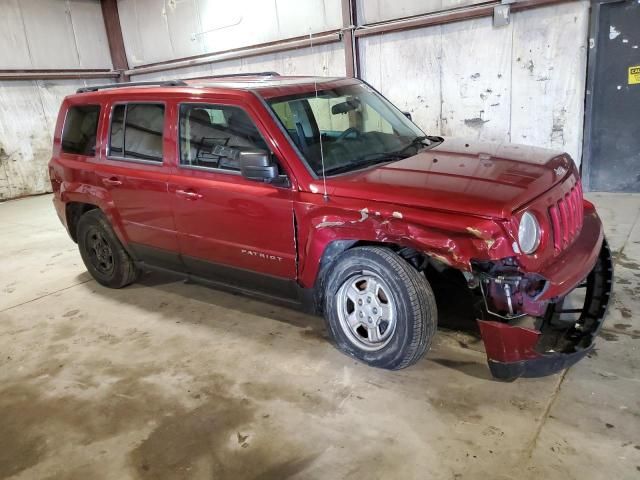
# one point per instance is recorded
(315, 87)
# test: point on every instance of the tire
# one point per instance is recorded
(399, 315)
(102, 253)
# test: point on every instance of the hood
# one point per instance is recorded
(482, 179)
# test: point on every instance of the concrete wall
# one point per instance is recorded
(41, 34)
(522, 83)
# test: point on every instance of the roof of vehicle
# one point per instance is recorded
(267, 84)
(258, 81)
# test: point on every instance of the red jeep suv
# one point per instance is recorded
(319, 192)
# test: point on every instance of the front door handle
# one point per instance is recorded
(112, 181)
(189, 194)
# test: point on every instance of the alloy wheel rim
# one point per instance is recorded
(366, 311)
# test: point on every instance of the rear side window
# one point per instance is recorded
(136, 131)
(80, 128)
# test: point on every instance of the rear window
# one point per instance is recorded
(136, 131)
(80, 128)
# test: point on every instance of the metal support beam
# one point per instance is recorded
(447, 16)
(114, 37)
(252, 51)
(78, 74)
(349, 22)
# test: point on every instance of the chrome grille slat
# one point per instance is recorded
(566, 217)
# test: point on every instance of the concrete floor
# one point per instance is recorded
(167, 380)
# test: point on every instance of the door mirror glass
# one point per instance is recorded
(258, 165)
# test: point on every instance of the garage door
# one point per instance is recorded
(612, 147)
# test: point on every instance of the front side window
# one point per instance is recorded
(347, 127)
(80, 129)
(215, 136)
(136, 131)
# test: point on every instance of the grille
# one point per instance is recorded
(566, 217)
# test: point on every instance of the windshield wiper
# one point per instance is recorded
(417, 143)
(364, 162)
(378, 158)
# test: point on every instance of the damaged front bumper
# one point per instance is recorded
(562, 335)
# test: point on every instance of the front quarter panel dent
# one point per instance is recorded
(452, 240)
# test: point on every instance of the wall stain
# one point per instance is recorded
(530, 66)
(557, 129)
(476, 122)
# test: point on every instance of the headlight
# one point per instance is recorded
(528, 233)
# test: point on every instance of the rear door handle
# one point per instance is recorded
(189, 194)
(112, 181)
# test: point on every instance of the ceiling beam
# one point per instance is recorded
(447, 16)
(244, 52)
(114, 36)
(68, 74)
(349, 22)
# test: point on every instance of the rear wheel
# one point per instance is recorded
(102, 253)
(379, 309)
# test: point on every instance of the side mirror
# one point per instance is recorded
(257, 165)
(408, 115)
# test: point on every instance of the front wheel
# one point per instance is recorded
(379, 309)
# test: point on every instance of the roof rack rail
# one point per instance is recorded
(164, 83)
(172, 83)
(248, 74)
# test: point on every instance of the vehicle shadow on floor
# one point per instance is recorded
(456, 312)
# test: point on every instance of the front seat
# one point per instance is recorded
(200, 128)
(244, 132)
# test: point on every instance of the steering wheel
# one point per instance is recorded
(348, 132)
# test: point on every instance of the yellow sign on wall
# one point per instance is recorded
(634, 75)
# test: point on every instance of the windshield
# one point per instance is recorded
(352, 127)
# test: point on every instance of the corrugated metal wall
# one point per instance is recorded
(44, 34)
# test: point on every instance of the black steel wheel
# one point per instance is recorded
(102, 253)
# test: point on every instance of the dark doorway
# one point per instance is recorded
(612, 120)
